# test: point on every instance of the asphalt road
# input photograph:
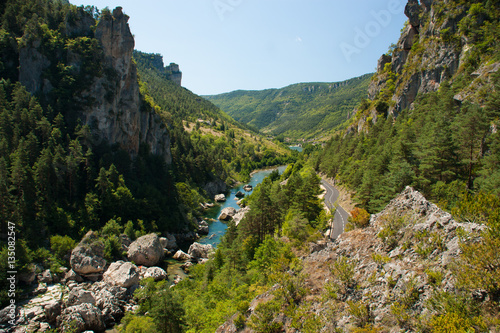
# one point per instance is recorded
(340, 217)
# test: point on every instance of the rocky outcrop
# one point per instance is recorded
(203, 227)
(110, 103)
(169, 242)
(240, 214)
(81, 318)
(32, 64)
(174, 73)
(122, 274)
(400, 262)
(146, 250)
(88, 257)
(181, 256)
(428, 52)
(215, 187)
(227, 214)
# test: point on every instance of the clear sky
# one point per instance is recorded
(225, 45)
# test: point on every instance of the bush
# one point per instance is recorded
(61, 246)
(262, 319)
(112, 248)
(343, 269)
(360, 311)
(451, 322)
(359, 217)
(111, 228)
(129, 230)
(296, 227)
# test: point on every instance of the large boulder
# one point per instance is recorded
(240, 215)
(220, 198)
(156, 273)
(239, 194)
(79, 295)
(71, 275)
(200, 251)
(248, 187)
(122, 274)
(52, 310)
(181, 255)
(169, 242)
(203, 228)
(79, 318)
(88, 257)
(227, 214)
(110, 300)
(29, 275)
(146, 250)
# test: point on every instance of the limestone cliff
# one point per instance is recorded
(436, 45)
(118, 117)
(109, 100)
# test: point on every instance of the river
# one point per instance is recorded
(217, 228)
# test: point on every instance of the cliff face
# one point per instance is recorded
(118, 117)
(435, 46)
(111, 102)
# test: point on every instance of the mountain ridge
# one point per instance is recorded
(298, 111)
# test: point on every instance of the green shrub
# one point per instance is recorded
(129, 230)
(454, 322)
(112, 248)
(360, 311)
(61, 246)
(263, 318)
(240, 321)
(343, 269)
(112, 228)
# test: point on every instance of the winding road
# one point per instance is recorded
(340, 217)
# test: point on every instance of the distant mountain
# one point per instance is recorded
(303, 110)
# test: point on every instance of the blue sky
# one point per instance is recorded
(225, 45)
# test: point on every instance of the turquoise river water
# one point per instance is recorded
(217, 228)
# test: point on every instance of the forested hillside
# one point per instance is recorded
(204, 137)
(249, 261)
(299, 111)
(432, 117)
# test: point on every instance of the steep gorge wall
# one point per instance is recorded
(119, 119)
(432, 49)
(111, 105)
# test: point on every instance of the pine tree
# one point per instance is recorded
(471, 129)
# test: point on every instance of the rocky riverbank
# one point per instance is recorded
(93, 294)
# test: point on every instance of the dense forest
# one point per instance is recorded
(299, 111)
(441, 148)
